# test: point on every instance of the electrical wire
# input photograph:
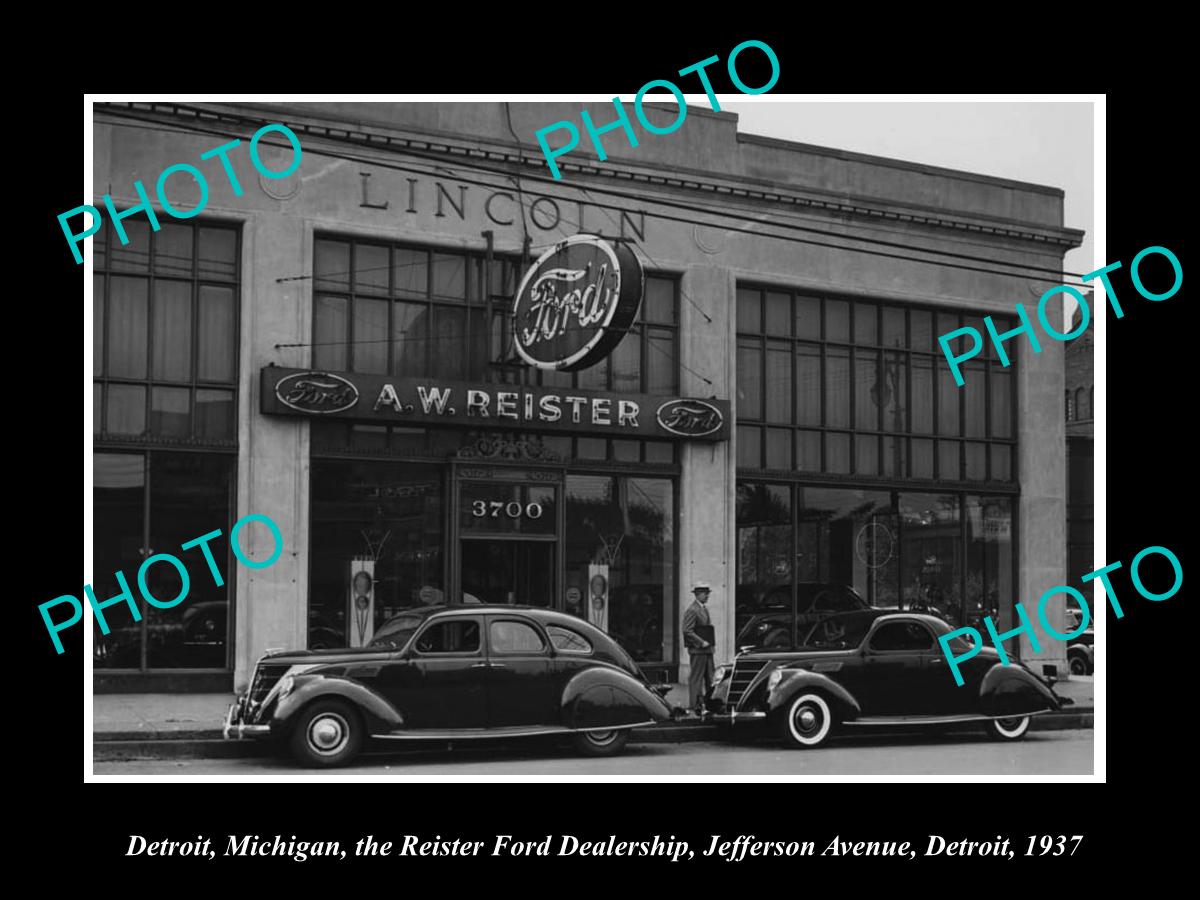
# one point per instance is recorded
(1058, 274)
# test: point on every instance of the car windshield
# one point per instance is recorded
(396, 632)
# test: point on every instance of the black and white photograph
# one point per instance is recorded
(442, 439)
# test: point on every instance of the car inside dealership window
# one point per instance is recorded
(567, 640)
(449, 636)
(511, 636)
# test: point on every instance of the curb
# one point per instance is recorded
(118, 746)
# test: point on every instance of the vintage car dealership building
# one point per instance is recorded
(338, 350)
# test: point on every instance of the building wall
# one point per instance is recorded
(705, 162)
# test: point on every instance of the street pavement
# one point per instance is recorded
(1040, 753)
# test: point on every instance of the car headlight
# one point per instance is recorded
(286, 684)
(721, 674)
(774, 678)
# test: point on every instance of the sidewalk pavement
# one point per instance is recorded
(130, 722)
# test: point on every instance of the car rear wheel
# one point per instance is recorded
(1012, 729)
(327, 733)
(601, 743)
(1079, 665)
(806, 722)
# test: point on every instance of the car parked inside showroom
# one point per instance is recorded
(872, 667)
(451, 673)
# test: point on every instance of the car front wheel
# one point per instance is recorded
(807, 722)
(601, 743)
(1012, 729)
(327, 733)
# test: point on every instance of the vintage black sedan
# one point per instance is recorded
(871, 667)
(451, 673)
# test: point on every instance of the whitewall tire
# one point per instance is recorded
(806, 722)
(1010, 729)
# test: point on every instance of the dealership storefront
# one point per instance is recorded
(340, 350)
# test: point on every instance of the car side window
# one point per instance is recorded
(510, 636)
(902, 636)
(453, 636)
(565, 640)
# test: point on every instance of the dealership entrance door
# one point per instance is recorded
(508, 571)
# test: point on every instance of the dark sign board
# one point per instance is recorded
(576, 303)
(383, 399)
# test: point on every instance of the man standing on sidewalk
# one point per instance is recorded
(698, 637)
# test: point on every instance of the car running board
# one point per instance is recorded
(459, 734)
(935, 720)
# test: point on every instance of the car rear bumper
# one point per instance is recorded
(236, 729)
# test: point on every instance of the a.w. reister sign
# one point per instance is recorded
(382, 399)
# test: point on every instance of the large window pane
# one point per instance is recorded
(370, 269)
(922, 394)
(749, 384)
(659, 303)
(97, 324)
(370, 335)
(778, 394)
(893, 327)
(866, 454)
(173, 249)
(329, 344)
(837, 320)
(1001, 384)
(749, 310)
(920, 323)
(662, 375)
(846, 546)
(778, 314)
(449, 275)
(126, 413)
(172, 347)
(948, 394)
(217, 346)
(127, 327)
(764, 562)
(118, 495)
(895, 377)
(837, 387)
(867, 390)
(170, 412)
(189, 496)
(948, 460)
(974, 393)
(922, 458)
(808, 451)
(218, 254)
(808, 384)
(866, 323)
(932, 553)
(388, 511)
(214, 415)
(411, 272)
(448, 336)
(989, 561)
(808, 318)
(837, 453)
(976, 466)
(410, 337)
(627, 365)
(749, 447)
(134, 256)
(779, 448)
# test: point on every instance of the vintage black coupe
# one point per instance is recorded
(874, 668)
(451, 673)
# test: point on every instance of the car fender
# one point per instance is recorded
(380, 714)
(602, 697)
(1012, 690)
(797, 681)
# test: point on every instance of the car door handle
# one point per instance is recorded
(936, 660)
(497, 665)
(481, 665)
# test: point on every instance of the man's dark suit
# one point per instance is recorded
(697, 633)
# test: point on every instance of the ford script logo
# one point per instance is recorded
(316, 392)
(690, 418)
(576, 303)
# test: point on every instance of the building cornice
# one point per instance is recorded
(703, 185)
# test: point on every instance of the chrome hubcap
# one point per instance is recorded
(807, 720)
(328, 733)
(601, 737)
